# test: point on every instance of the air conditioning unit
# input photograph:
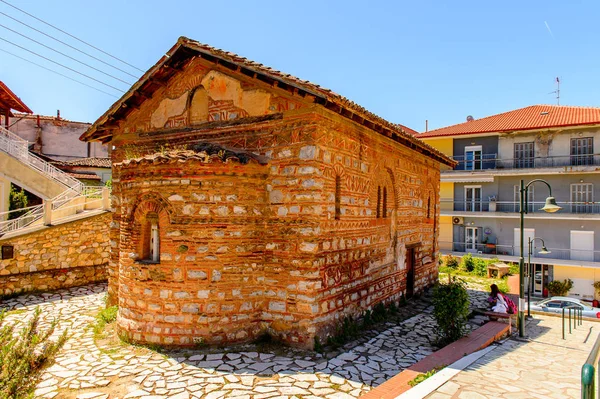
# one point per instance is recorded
(458, 220)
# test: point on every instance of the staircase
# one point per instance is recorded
(37, 176)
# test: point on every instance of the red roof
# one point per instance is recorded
(528, 118)
(10, 101)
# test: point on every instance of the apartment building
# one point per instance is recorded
(479, 198)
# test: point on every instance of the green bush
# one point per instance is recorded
(450, 309)
(17, 200)
(560, 288)
(24, 355)
(451, 262)
(466, 263)
(106, 316)
(480, 267)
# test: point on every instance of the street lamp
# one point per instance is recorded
(544, 251)
(550, 207)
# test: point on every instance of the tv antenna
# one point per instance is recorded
(557, 91)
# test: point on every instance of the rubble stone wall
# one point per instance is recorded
(66, 255)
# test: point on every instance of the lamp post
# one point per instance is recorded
(544, 251)
(550, 207)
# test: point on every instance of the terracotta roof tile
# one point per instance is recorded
(88, 176)
(528, 118)
(92, 162)
(203, 152)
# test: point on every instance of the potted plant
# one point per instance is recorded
(492, 200)
(597, 291)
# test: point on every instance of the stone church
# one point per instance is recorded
(247, 201)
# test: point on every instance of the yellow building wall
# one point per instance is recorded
(446, 190)
(444, 145)
(445, 237)
(583, 278)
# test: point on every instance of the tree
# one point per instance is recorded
(24, 355)
(451, 309)
(17, 200)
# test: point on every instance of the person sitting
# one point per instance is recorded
(496, 300)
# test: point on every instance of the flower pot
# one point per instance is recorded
(492, 207)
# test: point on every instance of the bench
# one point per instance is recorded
(494, 316)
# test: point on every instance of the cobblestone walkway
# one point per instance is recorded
(88, 369)
(546, 367)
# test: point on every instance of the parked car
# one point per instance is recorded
(557, 303)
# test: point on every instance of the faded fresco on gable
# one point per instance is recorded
(199, 95)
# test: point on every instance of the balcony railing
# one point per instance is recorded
(513, 206)
(491, 161)
(512, 250)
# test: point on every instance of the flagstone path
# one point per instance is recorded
(546, 367)
(86, 369)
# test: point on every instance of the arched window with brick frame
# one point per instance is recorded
(150, 218)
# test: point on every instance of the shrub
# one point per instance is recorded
(106, 316)
(559, 288)
(451, 262)
(503, 286)
(17, 200)
(514, 268)
(451, 308)
(480, 266)
(466, 263)
(24, 355)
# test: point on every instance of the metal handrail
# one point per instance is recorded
(36, 212)
(18, 148)
(577, 318)
(588, 372)
(494, 161)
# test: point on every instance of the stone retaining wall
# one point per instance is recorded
(61, 256)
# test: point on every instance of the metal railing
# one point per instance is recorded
(491, 161)
(512, 250)
(513, 206)
(574, 321)
(18, 148)
(66, 200)
(588, 372)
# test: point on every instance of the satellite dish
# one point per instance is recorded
(470, 118)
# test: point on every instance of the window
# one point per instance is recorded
(378, 202)
(384, 202)
(582, 196)
(473, 198)
(582, 150)
(338, 189)
(150, 239)
(429, 207)
(524, 155)
(473, 157)
(471, 238)
(517, 198)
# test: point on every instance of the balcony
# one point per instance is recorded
(508, 250)
(491, 161)
(447, 206)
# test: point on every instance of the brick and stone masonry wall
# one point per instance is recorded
(295, 266)
(288, 266)
(66, 255)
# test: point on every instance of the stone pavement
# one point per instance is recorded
(545, 367)
(89, 369)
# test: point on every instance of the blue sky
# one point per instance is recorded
(405, 61)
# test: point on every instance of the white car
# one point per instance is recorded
(557, 303)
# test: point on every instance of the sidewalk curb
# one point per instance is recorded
(441, 377)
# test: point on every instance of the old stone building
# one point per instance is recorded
(249, 201)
